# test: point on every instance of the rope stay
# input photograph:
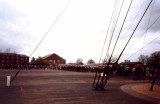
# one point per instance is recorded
(109, 62)
(112, 18)
(134, 31)
(101, 80)
(121, 30)
(107, 32)
(143, 34)
(145, 46)
(113, 30)
(132, 24)
(44, 37)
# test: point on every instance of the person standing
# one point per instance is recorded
(138, 72)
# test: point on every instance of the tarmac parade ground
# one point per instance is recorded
(66, 87)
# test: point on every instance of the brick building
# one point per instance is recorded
(131, 64)
(10, 60)
(54, 59)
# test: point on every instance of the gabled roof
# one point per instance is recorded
(51, 55)
(46, 56)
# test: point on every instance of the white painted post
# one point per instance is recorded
(8, 80)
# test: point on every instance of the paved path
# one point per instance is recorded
(62, 87)
(141, 90)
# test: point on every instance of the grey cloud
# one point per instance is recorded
(8, 12)
(150, 17)
(134, 16)
(12, 34)
(136, 11)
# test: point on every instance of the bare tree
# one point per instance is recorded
(90, 61)
(7, 50)
(154, 60)
(143, 59)
(79, 61)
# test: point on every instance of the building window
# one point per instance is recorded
(54, 61)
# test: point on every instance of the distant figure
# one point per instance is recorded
(147, 72)
(138, 72)
(133, 71)
(151, 71)
(127, 70)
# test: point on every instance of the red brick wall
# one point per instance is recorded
(13, 59)
(54, 59)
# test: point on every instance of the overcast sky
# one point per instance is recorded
(81, 29)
